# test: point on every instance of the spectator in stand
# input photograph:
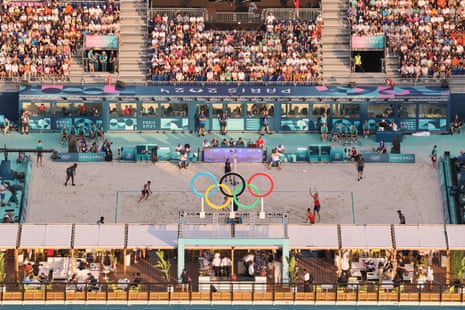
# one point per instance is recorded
(260, 142)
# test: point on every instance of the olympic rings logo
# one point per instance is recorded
(232, 194)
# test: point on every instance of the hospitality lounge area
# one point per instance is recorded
(321, 249)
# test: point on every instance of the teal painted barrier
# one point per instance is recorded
(336, 154)
(302, 154)
(164, 153)
(128, 154)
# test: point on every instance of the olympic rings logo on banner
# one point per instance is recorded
(236, 192)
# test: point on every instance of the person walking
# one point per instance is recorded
(70, 174)
(39, 150)
(145, 192)
(434, 157)
(360, 167)
(316, 202)
(401, 217)
(227, 169)
(101, 220)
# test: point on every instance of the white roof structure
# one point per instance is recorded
(46, 236)
(366, 236)
(420, 237)
(8, 235)
(99, 236)
(456, 237)
(313, 236)
(153, 236)
(297, 236)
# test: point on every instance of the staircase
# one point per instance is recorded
(133, 40)
(335, 51)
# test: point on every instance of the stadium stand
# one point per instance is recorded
(39, 39)
(184, 49)
(425, 36)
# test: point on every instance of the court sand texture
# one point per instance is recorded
(112, 189)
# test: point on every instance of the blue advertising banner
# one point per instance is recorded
(402, 158)
(147, 123)
(80, 157)
(51, 91)
(86, 122)
(91, 157)
(297, 124)
(123, 123)
(66, 157)
(58, 123)
(244, 155)
(174, 123)
(389, 158)
(375, 157)
(40, 123)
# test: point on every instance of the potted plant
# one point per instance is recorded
(165, 267)
(293, 272)
(457, 265)
(2, 272)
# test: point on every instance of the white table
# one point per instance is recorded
(387, 285)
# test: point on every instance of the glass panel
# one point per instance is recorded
(123, 109)
(256, 109)
(88, 109)
(407, 110)
(346, 110)
(204, 108)
(217, 109)
(62, 109)
(319, 108)
(173, 109)
(234, 110)
(380, 110)
(295, 110)
(36, 109)
(432, 110)
(148, 110)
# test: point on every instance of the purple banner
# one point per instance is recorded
(244, 155)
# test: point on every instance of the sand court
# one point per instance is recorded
(112, 189)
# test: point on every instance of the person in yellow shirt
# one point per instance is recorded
(358, 63)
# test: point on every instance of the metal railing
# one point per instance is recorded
(233, 291)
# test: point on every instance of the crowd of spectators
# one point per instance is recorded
(426, 36)
(282, 50)
(38, 39)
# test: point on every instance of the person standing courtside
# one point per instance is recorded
(70, 174)
(202, 121)
(316, 203)
(39, 152)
